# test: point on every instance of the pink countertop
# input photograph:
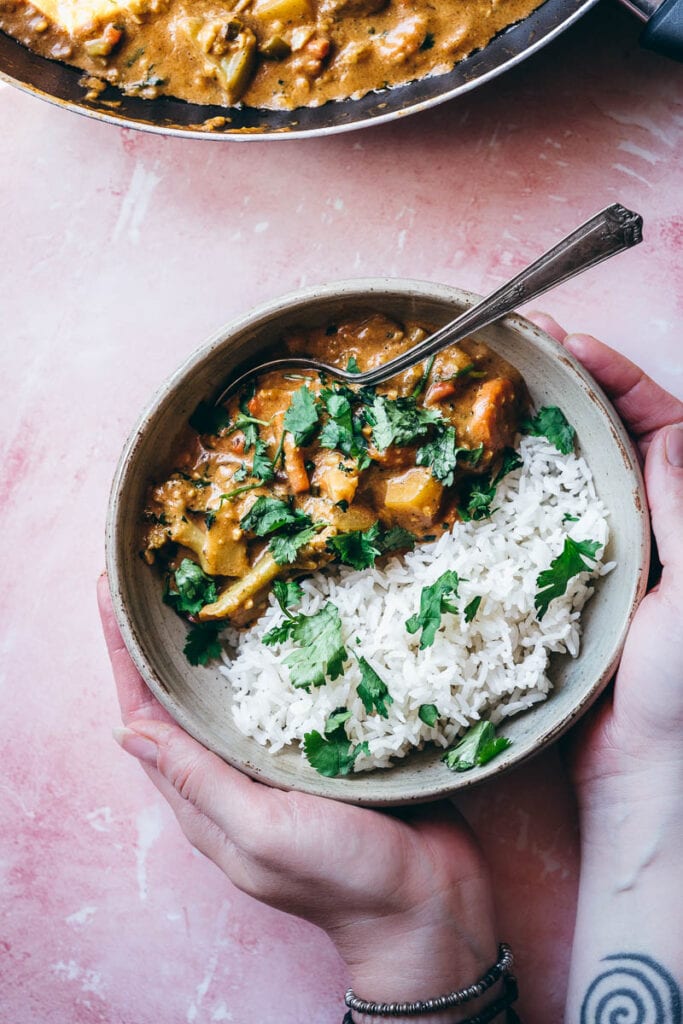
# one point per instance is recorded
(120, 253)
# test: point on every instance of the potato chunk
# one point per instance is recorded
(414, 497)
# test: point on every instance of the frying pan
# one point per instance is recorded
(58, 83)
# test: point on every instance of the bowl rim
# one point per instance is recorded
(361, 290)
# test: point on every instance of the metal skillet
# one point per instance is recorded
(59, 83)
(609, 232)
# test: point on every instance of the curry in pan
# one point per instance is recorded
(275, 54)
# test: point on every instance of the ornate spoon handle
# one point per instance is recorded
(611, 231)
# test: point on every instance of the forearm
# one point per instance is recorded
(628, 942)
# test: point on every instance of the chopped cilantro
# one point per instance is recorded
(343, 430)
(210, 517)
(358, 548)
(397, 539)
(202, 644)
(231, 495)
(332, 754)
(427, 42)
(193, 590)
(262, 467)
(433, 604)
(267, 515)
(301, 418)
(373, 691)
(551, 422)
(441, 455)
(287, 593)
(511, 460)
(429, 714)
(337, 718)
(573, 559)
(478, 746)
(479, 494)
(472, 608)
(352, 365)
(209, 419)
(285, 547)
(422, 383)
(568, 518)
(321, 652)
(241, 474)
(399, 421)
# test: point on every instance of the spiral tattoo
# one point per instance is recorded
(633, 989)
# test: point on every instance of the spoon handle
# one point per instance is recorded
(611, 231)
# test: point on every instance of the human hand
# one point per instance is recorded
(406, 899)
(633, 735)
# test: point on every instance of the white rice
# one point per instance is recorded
(494, 666)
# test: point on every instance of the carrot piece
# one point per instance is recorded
(295, 468)
(439, 390)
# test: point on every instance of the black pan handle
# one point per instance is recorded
(664, 31)
(664, 25)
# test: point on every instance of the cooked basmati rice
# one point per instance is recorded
(493, 667)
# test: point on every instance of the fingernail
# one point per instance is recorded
(139, 746)
(674, 446)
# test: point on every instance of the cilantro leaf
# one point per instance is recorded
(284, 547)
(202, 644)
(321, 653)
(358, 548)
(433, 603)
(441, 455)
(338, 431)
(553, 581)
(569, 518)
(472, 608)
(267, 515)
(372, 690)
(332, 754)
(429, 714)
(209, 419)
(477, 747)
(352, 365)
(337, 718)
(287, 593)
(399, 421)
(478, 494)
(241, 474)
(301, 418)
(551, 422)
(397, 539)
(262, 467)
(193, 590)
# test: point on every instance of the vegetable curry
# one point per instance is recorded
(300, 470)
(265, 53)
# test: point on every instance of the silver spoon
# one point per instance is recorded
(607, 233)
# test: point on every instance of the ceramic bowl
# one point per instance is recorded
(199, 698)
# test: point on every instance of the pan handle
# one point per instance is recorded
(664, 29)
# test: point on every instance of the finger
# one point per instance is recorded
(243, 809)
(643, 405)
(664, 483)
(135, 699)
(547, 324)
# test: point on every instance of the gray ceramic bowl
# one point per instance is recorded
(199, 698)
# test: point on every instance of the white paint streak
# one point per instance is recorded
(646, 123)
(66, 972)
(262, 226)
(645, 154)
(338, 204)
(149, 823)
(402, 240)
(100, 819)
(203, 986)
(82, 916)
(221, 1012)
(92, 982)
(136, 201)
(631, 173)
(18, 800)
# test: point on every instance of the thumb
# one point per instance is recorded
(664, 482)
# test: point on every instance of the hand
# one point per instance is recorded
(634, 733)
(406, 899)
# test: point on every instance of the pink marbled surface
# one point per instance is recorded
(120, 253)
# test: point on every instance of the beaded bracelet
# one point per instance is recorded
(445, 1002)
(488, 1013)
